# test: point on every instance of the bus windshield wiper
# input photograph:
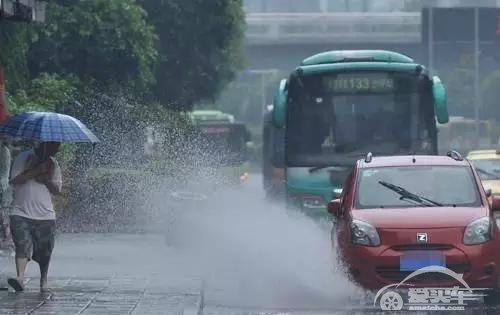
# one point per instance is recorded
(319, 168)
(406, 195)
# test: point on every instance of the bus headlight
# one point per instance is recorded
(244, 177)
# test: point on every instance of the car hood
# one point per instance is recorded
(425, 217)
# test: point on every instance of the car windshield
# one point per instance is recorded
(487, 169)
(410, 186)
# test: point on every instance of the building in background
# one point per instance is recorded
(280, 33)
(303, 6)
(23, 10)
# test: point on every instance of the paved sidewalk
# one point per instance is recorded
(100, 296)
(107, 274)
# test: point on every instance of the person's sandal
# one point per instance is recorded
(15, 284)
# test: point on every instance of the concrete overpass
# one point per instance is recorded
(281, 40)
(332, 28)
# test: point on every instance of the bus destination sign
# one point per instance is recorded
(359, 83)
(214, 130)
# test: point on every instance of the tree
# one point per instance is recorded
(490, 90)
(200, 47)
(460, 88)
(47, 92)
(14, 43)
(104, 41)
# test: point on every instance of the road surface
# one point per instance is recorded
(233, 254)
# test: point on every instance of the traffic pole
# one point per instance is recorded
(477, 94)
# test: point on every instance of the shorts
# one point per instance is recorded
(33, 238)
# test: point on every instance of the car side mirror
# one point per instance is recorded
(495, 204)
(488, 192)
(278, 158)
(337, 192)
(334, 207)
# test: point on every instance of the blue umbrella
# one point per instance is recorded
(43, 127)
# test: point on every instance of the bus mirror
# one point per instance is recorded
(279, 108)
(278, 158)
(440, 101)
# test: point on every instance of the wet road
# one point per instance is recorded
(231, 254)
(108, 274)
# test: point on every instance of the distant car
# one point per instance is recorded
(402, 213)
(487, 164)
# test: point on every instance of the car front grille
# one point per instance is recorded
(401, 248)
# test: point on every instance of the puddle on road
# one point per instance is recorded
(252, 253)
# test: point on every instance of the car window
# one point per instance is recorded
(446, 185)
(346, 189)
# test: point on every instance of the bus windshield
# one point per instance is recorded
(222, 144)
(352, 113)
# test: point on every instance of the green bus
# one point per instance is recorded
(337, 106)
(222, 145)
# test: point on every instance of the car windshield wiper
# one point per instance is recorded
(406, 195)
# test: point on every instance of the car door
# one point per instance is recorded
(339, 226)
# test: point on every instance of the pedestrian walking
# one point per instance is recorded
(35, 176)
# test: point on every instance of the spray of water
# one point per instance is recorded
(249, 252)
(252, 253)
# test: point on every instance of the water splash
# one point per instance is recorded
(259, 254)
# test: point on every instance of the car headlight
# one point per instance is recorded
(363, 233)
(478, 232)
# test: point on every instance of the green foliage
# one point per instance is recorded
(48, 92)
(104, 41)
(176, 52)
(14, 43)
(460, 89)
(104, 61)
(200, 47)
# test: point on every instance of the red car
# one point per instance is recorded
(402, 213)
